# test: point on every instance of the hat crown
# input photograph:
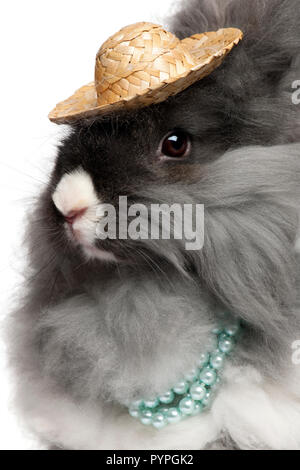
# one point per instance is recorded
(137, 58)
(143, 64)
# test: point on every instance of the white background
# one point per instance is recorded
(47, 51)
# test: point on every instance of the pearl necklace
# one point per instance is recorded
(191, 395)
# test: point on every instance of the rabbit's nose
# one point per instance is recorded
(74, 215)
(74, 194)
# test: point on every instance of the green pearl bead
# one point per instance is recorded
(198, 409)
(216, 360)
(187, 406)
(223, 335)
(159, 421)
(151, 403)
(217, 331)
(232, 330)
(167, 397)
(192, 375)
(163, 409)
(134, 409)
(203, 360)
(173, 415)
(226, 345)
(207, 399)
(197, 391)
(215, 386)
(208, 376)
(181, 387)
(146, 417)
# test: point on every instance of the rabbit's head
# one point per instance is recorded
(152, 156)
(174, 153)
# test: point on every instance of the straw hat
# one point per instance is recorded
(144, 64)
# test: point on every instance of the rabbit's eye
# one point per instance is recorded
(176, 144)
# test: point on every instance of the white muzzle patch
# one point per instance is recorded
(75, 192)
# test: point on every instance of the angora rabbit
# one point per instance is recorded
(102, 323)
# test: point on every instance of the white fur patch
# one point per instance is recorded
(74, 192)
(255, 413)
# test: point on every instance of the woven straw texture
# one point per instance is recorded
(144, 64)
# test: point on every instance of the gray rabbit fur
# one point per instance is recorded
(93, 333)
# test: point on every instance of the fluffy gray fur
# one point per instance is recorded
(111, 333)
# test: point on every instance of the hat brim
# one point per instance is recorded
(208, 50)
